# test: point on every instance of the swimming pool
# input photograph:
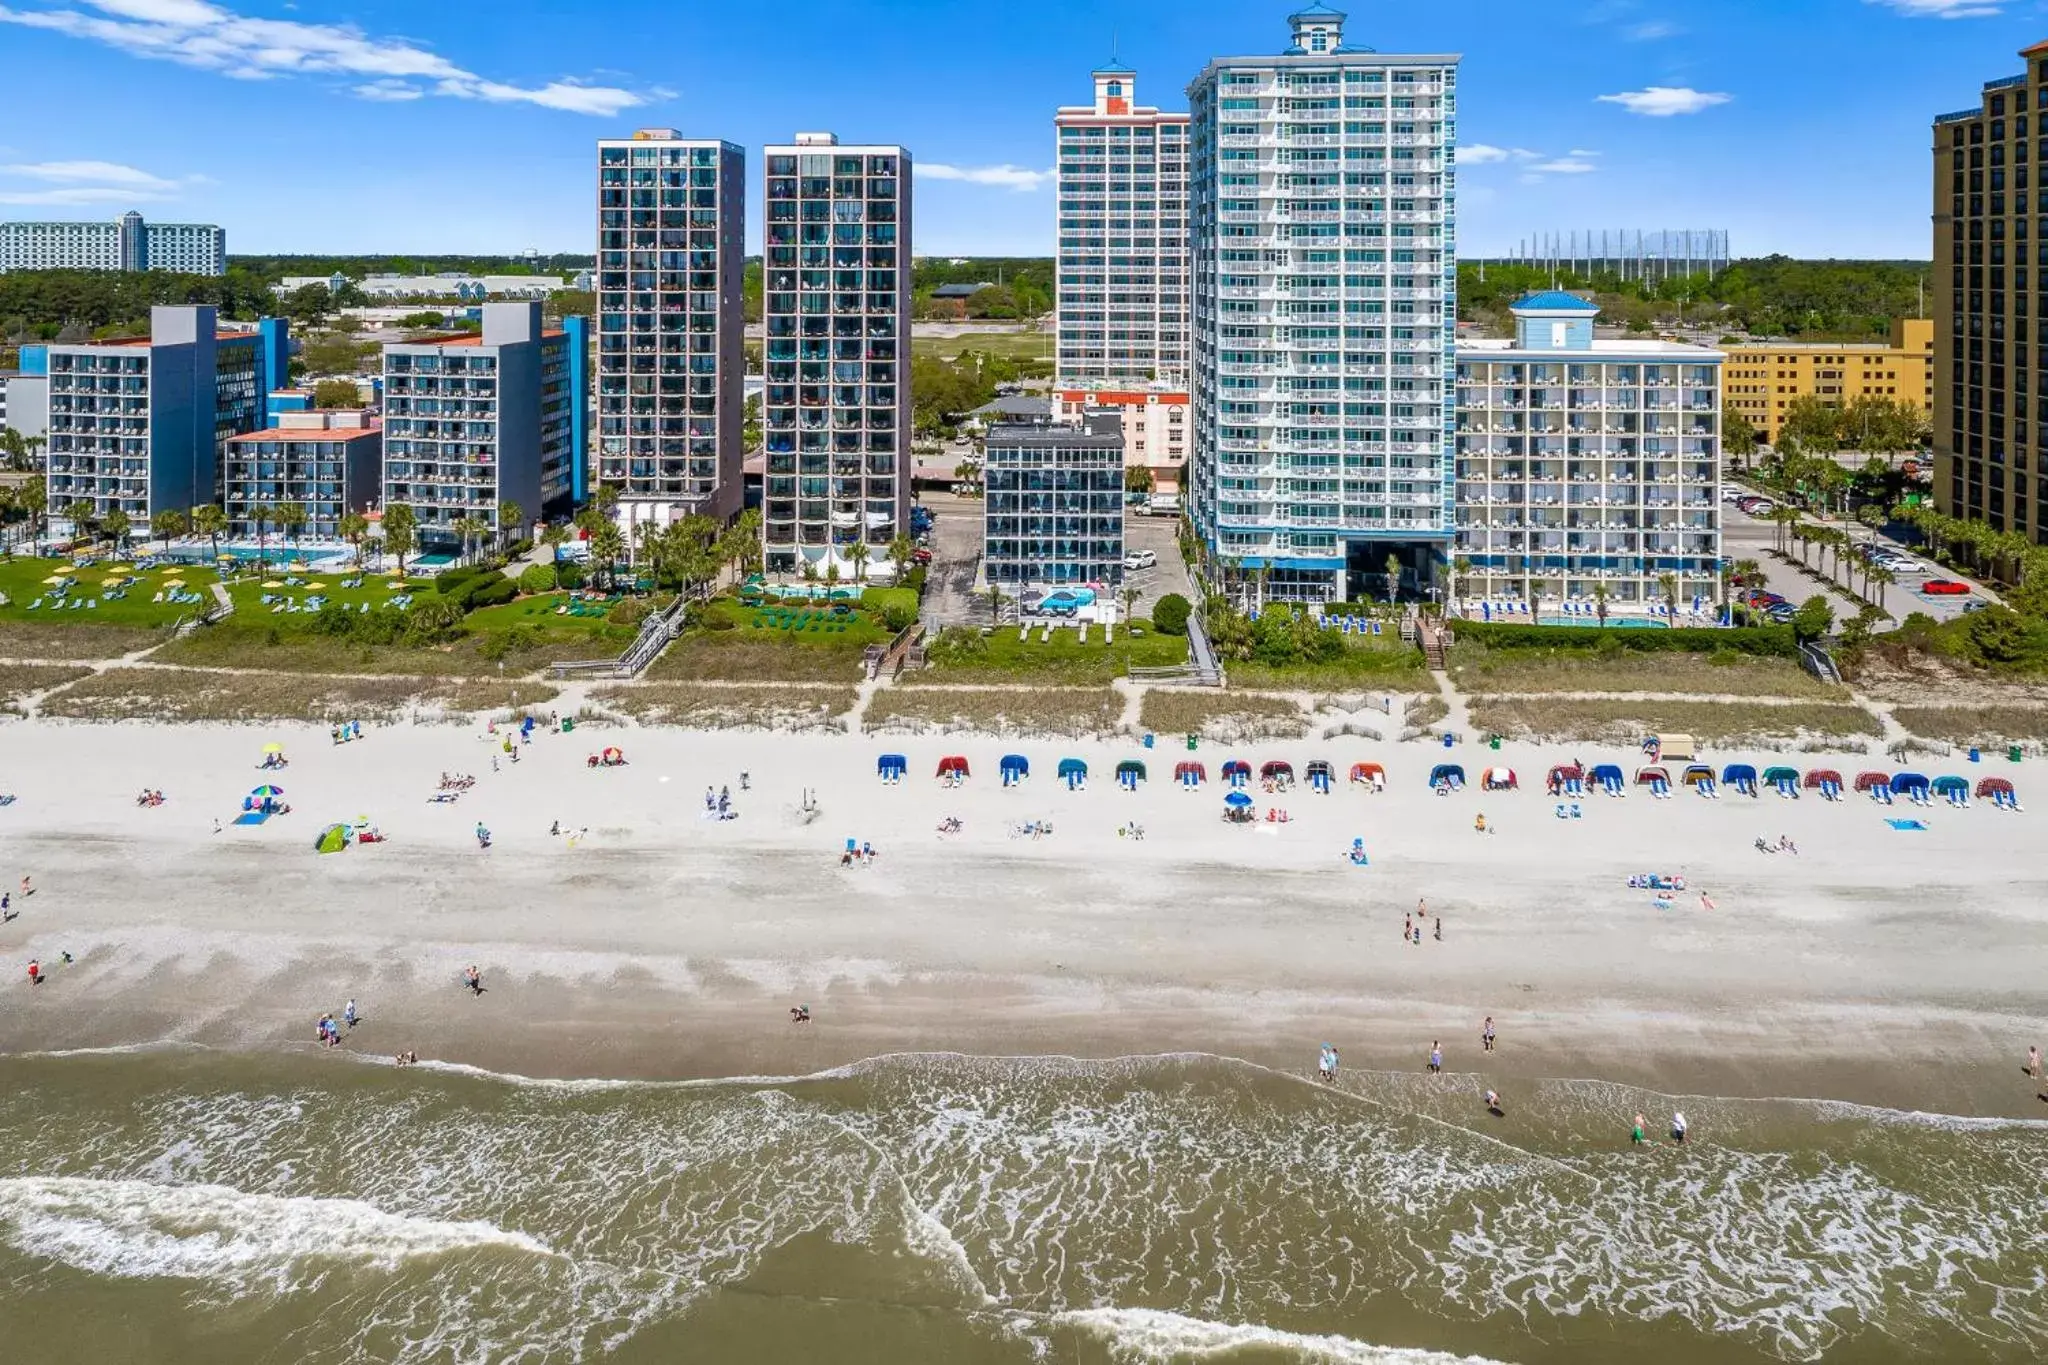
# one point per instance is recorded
(1613, 622)
(433, 561)
(323, 556)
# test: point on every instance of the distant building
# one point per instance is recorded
(1585, 464)
(836, 304)
(140, 425)
(452, 284)
(1053, 510)
(26, 393)
(481, 419)
(960, 291)
(671, 352)
(1123, 250)
(1155, 426)
(1990, 436)
(328, 461)
(127, 243)
(1762, 378)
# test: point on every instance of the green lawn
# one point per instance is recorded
(1014, 345)
(22, 578)
(964, 655)
(730, 641)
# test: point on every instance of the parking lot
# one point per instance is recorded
(1746, 537)
(949, 593)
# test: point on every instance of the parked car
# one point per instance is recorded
(1141, 559)
(1782, 613)
(1945, 587)
(1974, 604)
(921, 556)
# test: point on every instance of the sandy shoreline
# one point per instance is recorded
(1895, 969)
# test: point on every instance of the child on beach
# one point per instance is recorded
(1486, 1035)
(1635, 1135)
(1436, 1059)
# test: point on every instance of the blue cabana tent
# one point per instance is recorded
(1740, 776)
(1129, 774)
(1912, 786)
(1608, 778)
(1956, 789)
(1446, 775)
(891, 767)
(1784, 780)
(1237, 772)
(1015, 768)
(1073, 772)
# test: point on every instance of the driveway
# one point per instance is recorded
(949, 598)
(1170, 575)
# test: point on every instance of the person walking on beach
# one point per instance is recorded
(1678, 1128)
(1326, 1065)
(1439, 928)
(1486, 1035)
(473, 979)
(1436, 1059)
(1493, 1103)
(1635, 1135)
(1407, 927)
(348, 1013)
(2034, 1062)
(35, 972)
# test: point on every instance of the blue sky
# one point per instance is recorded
(1801, 126)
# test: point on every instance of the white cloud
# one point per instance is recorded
(1662, 101)
(1651, 31)
(1580, 151)
(1563, 166)
(81, 194)
(199, 34)
(1479, 153)
(75, 172)
(1534, 165)
(1941, 9)
(1011, 177)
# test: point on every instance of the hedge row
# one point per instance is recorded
(1761, 641)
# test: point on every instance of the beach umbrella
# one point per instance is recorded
(273, 748)
(267, 790)
(272, 583)
(1237, 800)
(57, 578)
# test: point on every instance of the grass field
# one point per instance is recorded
(1626, 722)
(1476, 669)
(1019, 345)
(178, 694)
(1379, 661)
(734, 707)
(1020, 711)
(23, 580)
(47, 640)
(737, 649)
(963, 655)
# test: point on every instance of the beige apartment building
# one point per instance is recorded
(1760, 379)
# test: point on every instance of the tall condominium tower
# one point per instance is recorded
(1123, 274)
(671, 242)
(1324, 282)
(836, 304)
(1990, 446)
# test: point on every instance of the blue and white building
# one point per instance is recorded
(1324, 248)
(125, 243)
(1585, 464)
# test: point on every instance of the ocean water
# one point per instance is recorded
(189, 1206)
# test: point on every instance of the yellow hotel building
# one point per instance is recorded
(1760, 379)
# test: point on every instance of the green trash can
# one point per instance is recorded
(1494, 743)
(568, 724)
(1191, 744)
(2012, 753)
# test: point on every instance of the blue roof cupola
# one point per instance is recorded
(1552, 320)
(1317, 29)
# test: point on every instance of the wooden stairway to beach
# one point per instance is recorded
(1432, 639)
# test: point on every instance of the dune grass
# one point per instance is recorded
(1626, 722)
(735, 707)
(18, 681)
(179, 694)
(42, 641)
(1984, 726)
(1226, 717)
(1008, 711)
(1477, 669)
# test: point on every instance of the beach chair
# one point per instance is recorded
(36, 605)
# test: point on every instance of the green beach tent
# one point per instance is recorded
(333, 839)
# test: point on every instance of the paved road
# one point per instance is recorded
(1171, 575)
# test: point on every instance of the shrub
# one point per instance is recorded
(536, 578)
(449, 581)
(571, 575)
(1997, 635)
(494, 591)
(1764, 641)
(879, 602)
(630, 611)
(431, 621)
(1170, 614)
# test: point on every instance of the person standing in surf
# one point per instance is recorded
(1436, 1058)
(1635, 1135)
(1678, 1128)
(1486, 1035)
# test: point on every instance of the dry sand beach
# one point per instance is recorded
(1826, 998)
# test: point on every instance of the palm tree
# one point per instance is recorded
(354, 528)
(262, 514)
(902, 549)
(1460, 568)
(1600, 596)
(79, 513)
(210, 521)
(1667, 583)
(401, 531)
(746, 530)
(470, 529)
(608, 547)
(7, 506)
(510, 515)
(167, 525)
(1127, 596)
(34, 497)
(1883, 577)
(116, 525)
(292, 519)
(1393, 567)
(995, 604)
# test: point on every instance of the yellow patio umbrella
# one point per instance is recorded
(58, 578)
(174, 582)
(273, 748)
(272, 583)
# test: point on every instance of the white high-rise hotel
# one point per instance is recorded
(1324, 285)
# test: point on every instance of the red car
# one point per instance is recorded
(921, 556)
(1945, 587)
